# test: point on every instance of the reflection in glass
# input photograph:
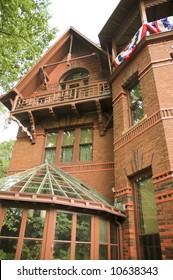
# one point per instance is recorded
(136, 103)
(83, 229)
(82, 252)
(35, 223)
(63, 226)
(11, 222)
(61, 251)
(51, 139)
(8, 248)
(31, 250)
(147, 205)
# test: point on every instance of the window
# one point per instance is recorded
(85, 151)
(147, 223)
(51, 143)
(69, 145)
(136, 104)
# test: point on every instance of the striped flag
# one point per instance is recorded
(157, 26)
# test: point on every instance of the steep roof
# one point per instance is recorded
(32, 80)
(47, 179)
(51, 185)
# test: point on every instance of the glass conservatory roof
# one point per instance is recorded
(47, 179)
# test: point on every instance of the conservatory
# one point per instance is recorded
(45, 213)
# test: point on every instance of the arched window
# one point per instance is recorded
(73, 79)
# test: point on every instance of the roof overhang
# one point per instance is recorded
(59, 202)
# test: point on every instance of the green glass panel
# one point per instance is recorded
(63, 226)
(103, 230)
(103, 252)
(67, 154)
(114, 252)
(85, 152)
(31, 250)
(86, 135)
(147, 205)
(12, 221)
(136, 103)
(113, 234)
(83, 228)
(61, 251)
(8, 248)
(51, 139)
(35, 223)
(68, 137)
(50, 155)
(82, 251)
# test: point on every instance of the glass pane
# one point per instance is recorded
(52, 139)
(114, 252)
(86, 135)
(11, 222)
(103, 230)
(83, 229)
(67, 154)
(50, 155)
(85, 152)
(113, 234)
(82, 252)
(146, 205)
(61, 251)
(8, 249)
(150, 247)
(77, 75)
(68, 137)
(31, 250)
(103, 252)
(136, 103)
(35, 223)
(63, 226)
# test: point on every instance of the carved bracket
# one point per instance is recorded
(23, 128)
(32, 124)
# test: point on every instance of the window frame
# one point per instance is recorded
(131, 87)
(140, 232)
(76, 146)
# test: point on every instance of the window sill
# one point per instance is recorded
(136, 124)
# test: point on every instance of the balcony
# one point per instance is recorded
(53, 97)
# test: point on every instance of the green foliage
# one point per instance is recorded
(24, 36)
(6, 149)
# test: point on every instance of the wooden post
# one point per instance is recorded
(143, 12)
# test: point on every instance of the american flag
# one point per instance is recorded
(157, 26)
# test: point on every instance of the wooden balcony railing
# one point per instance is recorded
(54, 96)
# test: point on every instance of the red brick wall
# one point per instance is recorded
(149, 143)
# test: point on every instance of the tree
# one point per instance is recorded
(24, 36)
(5, 156)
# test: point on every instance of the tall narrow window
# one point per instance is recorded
(85, 148)
(51, 143)
(136, 103)
(147, 223)
(67, 146)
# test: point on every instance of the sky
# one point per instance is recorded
(88, 17)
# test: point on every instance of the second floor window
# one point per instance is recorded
(136, 103)
(69, 145)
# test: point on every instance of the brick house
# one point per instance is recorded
(95, 125)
